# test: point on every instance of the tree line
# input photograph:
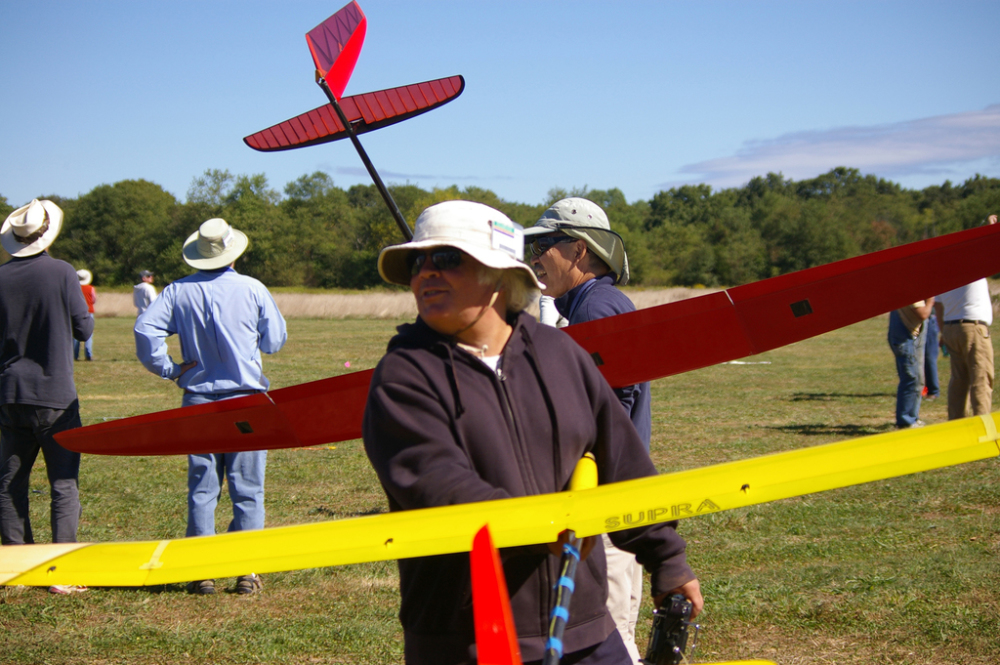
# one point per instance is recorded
(316, 234)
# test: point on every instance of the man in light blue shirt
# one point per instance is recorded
(224, 320)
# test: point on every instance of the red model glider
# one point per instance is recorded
(662, 341)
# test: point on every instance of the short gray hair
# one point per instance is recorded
(517, 286)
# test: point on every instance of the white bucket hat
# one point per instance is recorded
(485, 234)
(85, 277)
(214, 245)
(583, 219)
(30, 229)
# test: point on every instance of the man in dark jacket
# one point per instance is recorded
(582, 262)
(41, 312)
(477, 401)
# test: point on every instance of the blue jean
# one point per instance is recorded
(931, 351)
(88, 347)
(24, 430)
(244, 472)
(909, 352)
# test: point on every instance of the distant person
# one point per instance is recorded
(932, 385)
(143, 293)
(90, 295)
(581, 262)
(224, 320)
(964, 316)
(908, 338)
(41, 310)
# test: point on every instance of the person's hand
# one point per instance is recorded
(691, 591)
(185, 367)
(586, 545)
(992, 219)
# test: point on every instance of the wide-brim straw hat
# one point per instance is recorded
(214, 245)
(485, 234)
(584, 219)
(30, 229)
(86, 277)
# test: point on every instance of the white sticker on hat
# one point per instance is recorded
(507, 237)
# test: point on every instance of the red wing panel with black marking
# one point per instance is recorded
(750, 319)
(367, 112)
(629, 348)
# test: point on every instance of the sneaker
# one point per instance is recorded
(201, 587)
(248, 584)
(66, 589)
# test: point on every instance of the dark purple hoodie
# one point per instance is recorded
(442, 428)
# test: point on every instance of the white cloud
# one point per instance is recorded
(945, 146)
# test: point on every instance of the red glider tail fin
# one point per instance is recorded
(496, 639)
(335, 45)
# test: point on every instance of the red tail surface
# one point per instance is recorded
(496, 638)
(335, 45)
(366, 113)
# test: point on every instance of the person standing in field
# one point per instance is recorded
(41, 311)
(143, 293)
(224, 320)
(908, 339)
(477, 401)
(582, 262)
(90, 295)
(964, 317)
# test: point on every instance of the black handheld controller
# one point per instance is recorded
(668, 639)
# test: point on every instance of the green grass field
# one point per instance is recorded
(899, 571)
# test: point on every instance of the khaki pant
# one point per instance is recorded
(624, 593)
(971, 352)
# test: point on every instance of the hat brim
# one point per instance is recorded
(16, 249)
(538, 230)
(86, 278)
(393, 269)
(196, 260)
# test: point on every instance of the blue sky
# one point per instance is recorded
(641, 96)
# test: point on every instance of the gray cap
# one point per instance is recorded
(145, 273)
(583, 219)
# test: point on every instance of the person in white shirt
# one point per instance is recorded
(964, 316)
(143, 293)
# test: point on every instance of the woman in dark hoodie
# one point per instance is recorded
(476, 401)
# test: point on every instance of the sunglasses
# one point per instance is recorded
(542, 244)
(442, 259)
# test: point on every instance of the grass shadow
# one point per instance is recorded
(822, 429)
(829, 397)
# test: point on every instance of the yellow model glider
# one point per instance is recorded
(513, 522)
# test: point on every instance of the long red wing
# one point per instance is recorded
(753, 318)
(335, 45)
(629, 348)
(366, 112)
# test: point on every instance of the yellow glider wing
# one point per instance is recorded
(513, 522)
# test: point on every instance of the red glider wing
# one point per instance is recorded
(765, 315)
(335, 45)
(367, 112)
(629, 348)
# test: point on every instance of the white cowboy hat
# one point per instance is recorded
(485, 234)
(214, 245)
(587, 221)
(30, 229)
(85, 277)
